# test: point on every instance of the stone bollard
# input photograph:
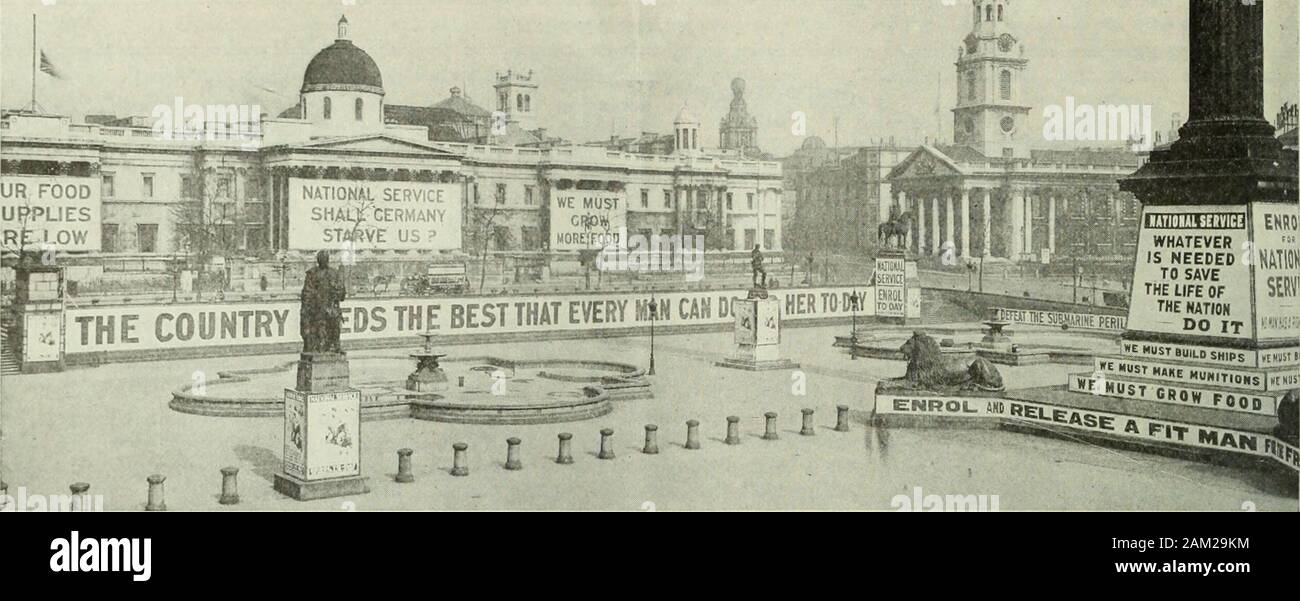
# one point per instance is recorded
(404, 474)
(606, 444)
(566, 452)
(733, 430)
(79, 495)
(841, 418)
(458, 462)
(807, 429)
(229, 486)
(651, 440)
(692, 434)
(156, 500)
(512, 454)
(769, 431)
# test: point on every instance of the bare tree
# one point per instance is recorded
(208, 222)
(482, 231)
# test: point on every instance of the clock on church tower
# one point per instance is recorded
(990, 116)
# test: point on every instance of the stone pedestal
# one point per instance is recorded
(897, 288)
(322, 432)
(758, 334)
(1214, 320)
(322, 372)
(38, 316)
(1215, 316)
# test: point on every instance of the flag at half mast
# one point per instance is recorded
(47, 67)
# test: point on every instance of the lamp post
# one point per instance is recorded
(654, 315)
(853, 333)
(1078, 274)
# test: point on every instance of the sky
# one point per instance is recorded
(877, 68)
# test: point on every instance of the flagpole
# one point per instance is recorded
(34, 62)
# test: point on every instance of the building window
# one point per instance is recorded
(988, 13)
(749, 239)
(146, 235)
(750, 200)
(645, 198)
(108, 237)
(769, 238)
(1004, 85)
(476, 195)
(187, 187)
(359, 108)
(146, 185)
(668, 199)
(224, 185)
(528, 104)
(528, 195)
(501, 193)
(256, 241)
(106, 187)
(519, 102)
(999, 12)
(970, 85)
(501, 237)
(729, 201)
(532, 239)
(328, 108)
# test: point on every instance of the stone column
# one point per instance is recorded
(919, 218)
(965, 222)
(1051, 223)
(987, 208)
(1017, 224)
(934, 225)
(1029, 223)
(949, 219)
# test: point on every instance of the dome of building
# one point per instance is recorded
(342, 66)
(684, 116)
(813, 143)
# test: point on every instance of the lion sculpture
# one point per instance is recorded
(928, 369)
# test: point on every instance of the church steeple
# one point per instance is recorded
(990, 116)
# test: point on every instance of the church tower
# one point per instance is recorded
(515, 94)
(991, 116)
(739, 129)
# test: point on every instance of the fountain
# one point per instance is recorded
(428, 376)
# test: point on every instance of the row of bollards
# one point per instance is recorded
(460, 466)
(156, 500)
(460, 459)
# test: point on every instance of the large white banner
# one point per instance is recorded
(587, 219)
(136, 328)
(373, 215)
(1130, 427)
(50, 212)
(1192, 276)
(1276, 255)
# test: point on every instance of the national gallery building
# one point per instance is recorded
(345, 169)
